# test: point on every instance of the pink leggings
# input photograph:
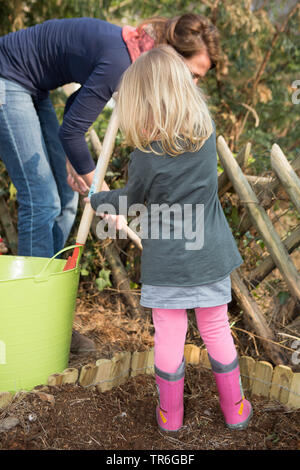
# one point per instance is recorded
(170, 333)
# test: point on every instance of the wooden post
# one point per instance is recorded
(101, 379)
(150, 362)
(204, 359)
(87, 375)
(286, 175)
(260, 219)
(247, 368)
(294, 396)
(55, 379)
(139, 363)
(262, 379)
(70, 376)
(142, 362)
(120, 368)
(281, 384)
(224, 183)
(192, 354)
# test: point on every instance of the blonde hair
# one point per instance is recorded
(158, 100)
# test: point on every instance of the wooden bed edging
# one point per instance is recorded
(260, 378)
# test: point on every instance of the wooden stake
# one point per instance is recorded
(204, 359)
(103, 375)
(262, 379)
(150, 362)
(224, 183)
(55, 379)
(87, 375)
(281, 384)
(120, 368)
(139, 363)
(294, 396)
(192, 354)
(247, 368)
(70, 376)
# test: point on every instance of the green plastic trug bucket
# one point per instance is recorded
(37, 303)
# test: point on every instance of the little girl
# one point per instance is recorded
(174, 165)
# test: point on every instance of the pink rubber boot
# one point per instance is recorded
(236, 409)
(169, 412)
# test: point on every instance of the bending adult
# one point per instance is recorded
(33, 146)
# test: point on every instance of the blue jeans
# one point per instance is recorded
(36, 163)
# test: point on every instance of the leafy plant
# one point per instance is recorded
(103, 279)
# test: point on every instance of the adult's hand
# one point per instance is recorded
(77, 182)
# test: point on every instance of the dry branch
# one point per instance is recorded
(267, 265)
(267, 56)
(121, 280)
(255, 318)
(259, 181)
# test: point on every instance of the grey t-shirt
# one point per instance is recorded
(179, 194)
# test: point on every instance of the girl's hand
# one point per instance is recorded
(119, 221)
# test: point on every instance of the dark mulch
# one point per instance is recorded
(124, 419)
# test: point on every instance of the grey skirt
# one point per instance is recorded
(207, 295)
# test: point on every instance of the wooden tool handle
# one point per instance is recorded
(102, 163)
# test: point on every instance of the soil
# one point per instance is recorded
(71, 417)
(124, 419)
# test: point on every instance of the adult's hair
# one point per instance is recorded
(189, 34)
(158, 100)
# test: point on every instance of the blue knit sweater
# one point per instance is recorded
(88, 51)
